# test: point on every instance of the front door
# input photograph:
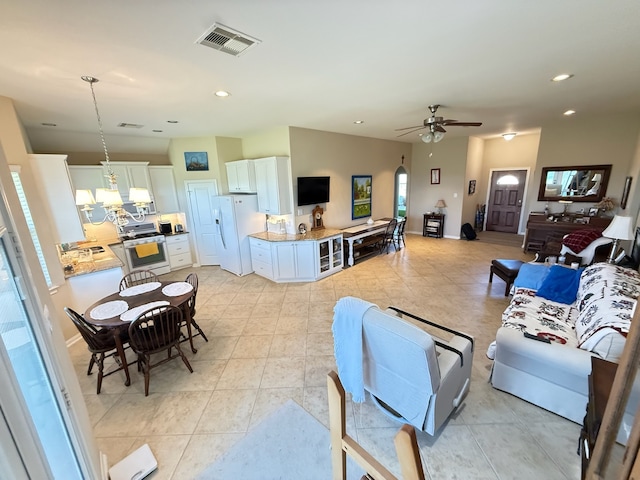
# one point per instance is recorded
(505, 200)
(200, 195)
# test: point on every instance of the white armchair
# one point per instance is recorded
(413, 377)
(589, 252)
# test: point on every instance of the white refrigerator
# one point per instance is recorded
(235, 217)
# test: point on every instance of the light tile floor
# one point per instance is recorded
(272, 342)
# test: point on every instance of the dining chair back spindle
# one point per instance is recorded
(154, 331)
(137, 277)
(388, 238)
(192, 279)
(101, 343)
(398, 235)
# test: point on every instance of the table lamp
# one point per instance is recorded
(620, 228)
(440, 205)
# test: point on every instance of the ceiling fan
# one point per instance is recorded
(436, 126)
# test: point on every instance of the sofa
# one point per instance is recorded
(553, 373)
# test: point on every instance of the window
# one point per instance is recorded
(32, 228)
(401, 193)
(508, 180)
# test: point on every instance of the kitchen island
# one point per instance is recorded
(286, 257)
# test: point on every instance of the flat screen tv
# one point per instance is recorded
(313, 190)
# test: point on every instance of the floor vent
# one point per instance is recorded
(130, 125)
(226, 40)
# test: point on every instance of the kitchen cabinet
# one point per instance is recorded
(89, 177)
(130, 174)
(53, 180)
(241, 176)
(261, 259)
(294, 261)
(329, 256)
(273, 185)
(163, 186)
(179, 251)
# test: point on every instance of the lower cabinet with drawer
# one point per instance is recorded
(261, 259)
(179, 251)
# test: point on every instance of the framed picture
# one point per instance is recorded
(625, 193)
(360, 196)
(472, 187)
(593, 212)
(435, 176)
(196, 161)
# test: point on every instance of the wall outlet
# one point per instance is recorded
(299, 211)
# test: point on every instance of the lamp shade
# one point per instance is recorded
(84, 197)
(440, 204)
(427, 137)
(437, 136)
(108, 197)
(139, 195)
(620, 228)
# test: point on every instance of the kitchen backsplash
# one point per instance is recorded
(107, 231)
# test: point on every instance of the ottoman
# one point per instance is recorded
(507, 270)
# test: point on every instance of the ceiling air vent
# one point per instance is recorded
(226, 40)
(129, 125)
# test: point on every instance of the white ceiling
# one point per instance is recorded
(320, 65)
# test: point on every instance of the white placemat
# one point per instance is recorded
(138, 289)
(131, 315)
(176, 289)
(109, 309)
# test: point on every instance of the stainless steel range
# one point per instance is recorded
(145, 248)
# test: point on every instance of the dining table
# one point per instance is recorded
(117, 310)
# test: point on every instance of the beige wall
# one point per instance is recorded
(269, 143)
(94, 158)
(474, 172)
(587, 141)
(450, 156)
(318, 153)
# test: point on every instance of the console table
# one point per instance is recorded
(363, 239)
(539, 228)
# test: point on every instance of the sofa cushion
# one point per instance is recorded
(561, 284)
(580, 239)
(528, 313)
(531, 276)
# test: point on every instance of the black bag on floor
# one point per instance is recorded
(469, 232)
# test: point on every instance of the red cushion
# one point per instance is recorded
(581, 239)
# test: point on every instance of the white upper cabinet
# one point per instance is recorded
(163, 186)
(130, 174)
(241, 176)
(53, 180)
(274, 186)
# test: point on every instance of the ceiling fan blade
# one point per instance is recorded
(410, 131)
(462, 124)
(439, 128)
(407, 128)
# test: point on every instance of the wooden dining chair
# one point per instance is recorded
(137, 277)
(388, 238)
(101, 343)
(154, 331)
(192, 279)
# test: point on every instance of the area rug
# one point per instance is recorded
(288, 444)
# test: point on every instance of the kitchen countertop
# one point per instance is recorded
(100, 261)
(290, 237)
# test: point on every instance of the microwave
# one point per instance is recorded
(132, 209)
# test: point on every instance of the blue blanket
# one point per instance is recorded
(347, 341)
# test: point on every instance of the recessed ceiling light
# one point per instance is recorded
(47, 124)
(172, 121)
(222, 93)
(561, 77)
(358, 122)
(157, 131)
(569, 112)
(508, 136)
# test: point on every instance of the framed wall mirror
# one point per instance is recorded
(578, 183)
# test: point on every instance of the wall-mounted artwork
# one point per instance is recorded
(472, 187)
(196, 161)
(361, 196)
(435, 176)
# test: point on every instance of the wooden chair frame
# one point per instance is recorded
(342, 444)
(137, 277)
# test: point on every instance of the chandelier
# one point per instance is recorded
(110, 198)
